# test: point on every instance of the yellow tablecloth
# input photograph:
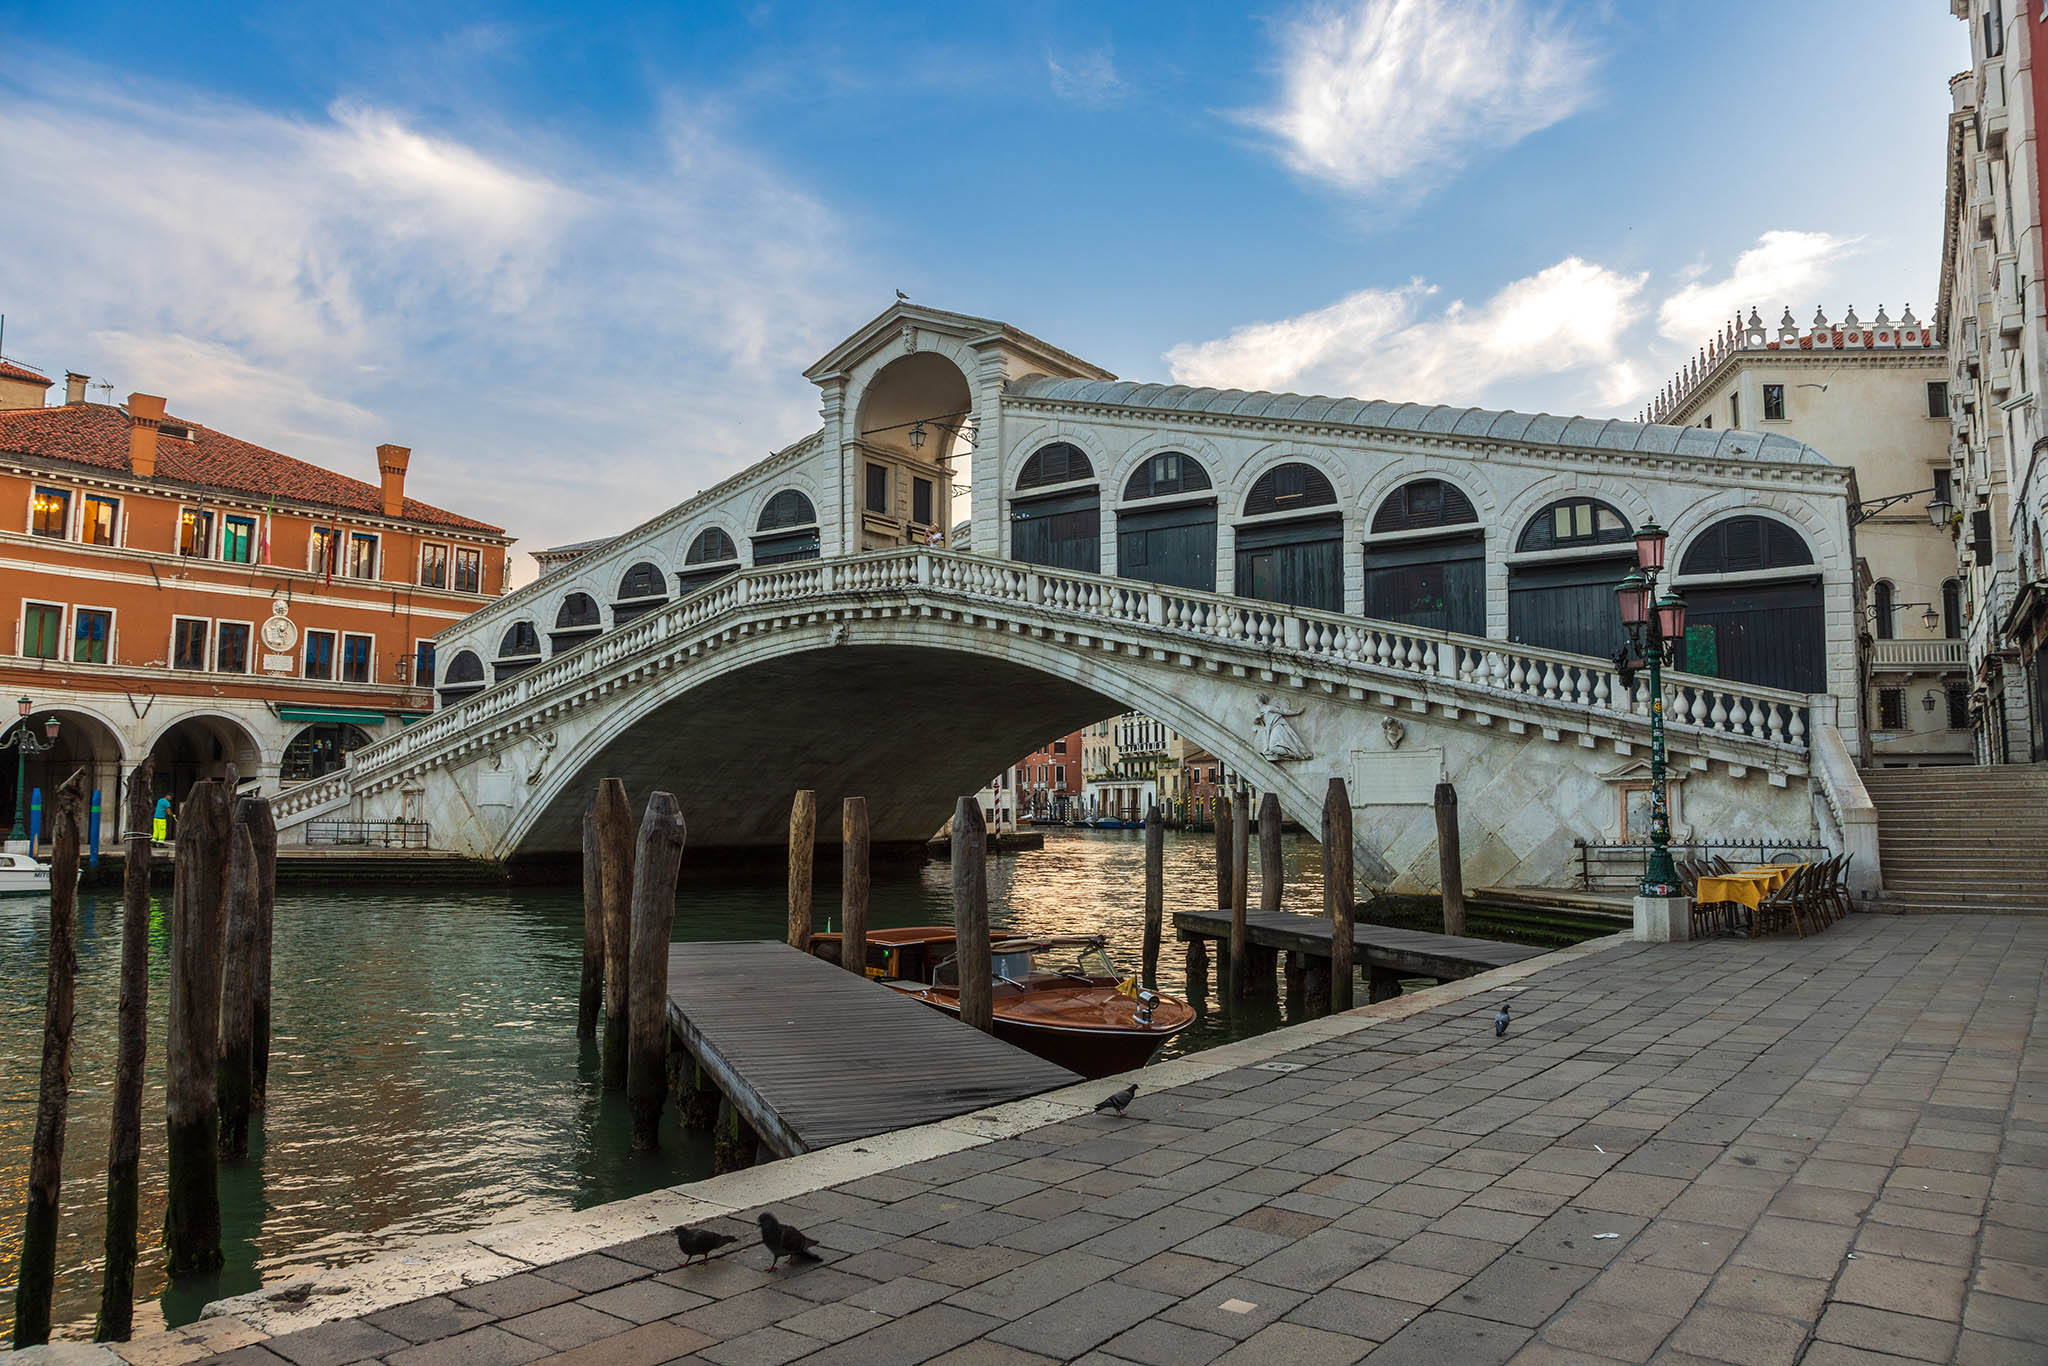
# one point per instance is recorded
(1748, 887)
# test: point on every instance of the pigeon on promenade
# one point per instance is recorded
(1500, 1021)
(1116, 1103)
(700, 1242)
(783, 1241)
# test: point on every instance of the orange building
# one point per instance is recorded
(170, 590)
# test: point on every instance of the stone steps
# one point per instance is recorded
(1962, 840)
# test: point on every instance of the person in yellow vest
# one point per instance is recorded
(161, 827)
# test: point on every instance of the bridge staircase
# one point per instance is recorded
(1966, 838)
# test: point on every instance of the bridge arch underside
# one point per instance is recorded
(909, 728)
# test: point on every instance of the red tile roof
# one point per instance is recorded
(97, 434)
(14, 370)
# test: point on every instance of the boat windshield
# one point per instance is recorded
(1085, 958)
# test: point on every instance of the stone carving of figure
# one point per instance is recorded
(1394, 731)
(546, 742)
(1281, 743)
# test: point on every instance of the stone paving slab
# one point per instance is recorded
(1822, 1150)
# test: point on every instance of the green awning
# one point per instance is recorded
(319, 714)
(407, 718)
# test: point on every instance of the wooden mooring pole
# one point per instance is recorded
(1240, 884)
(655, 865)
(590, 994)
(1450, 864)
(124, 1128)
(1223, 851)
(262, 826)
(803, 840)
(1338, 891)
(236, 1071)
(1155, 892)
(192, 1237)
(854, 880)
(615, 871)
(36, 1285)
(970, 915)
(1272, 870)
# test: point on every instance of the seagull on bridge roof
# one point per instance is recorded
(902, 296)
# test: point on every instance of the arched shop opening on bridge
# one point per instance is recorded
(199, 748)
(463, 676)
(576, 620)
(1056, 518)
(711, 556)
(787, 530)
(1753, 605)
(83, 741)
(323, 746)
(518, 651)
(1166, 525)
(642, 589)
(1287, 549)
(1568, 560)
(1425, 559)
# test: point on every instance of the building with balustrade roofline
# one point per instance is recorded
(1872, 396)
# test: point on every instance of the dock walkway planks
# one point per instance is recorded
(1409, 953)
(811, 1055)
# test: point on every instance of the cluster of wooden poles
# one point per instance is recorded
(217, 1047)
(1320, 983)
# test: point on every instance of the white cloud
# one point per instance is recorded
(568, 342)
(1086, 78)
(1376, 92)
(1783, 269)
(1566, 321)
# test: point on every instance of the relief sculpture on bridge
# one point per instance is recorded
(1281, 743)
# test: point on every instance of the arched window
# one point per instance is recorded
(1061, 529)
(786, 509)
(1174, 544)
(711, 556)
(518, 649)
(1297, 560)
(787, 531)
(1059, 463)
(1952, 609)
(1739, 545)
(577, 620)
(1565, 600)
(1436, 581)
(1423, 503)
(1289, 488)
(1574, 522)
(1748, 624)
(1167, 473)
(465, 675)
(642, 590)
(1881, 609)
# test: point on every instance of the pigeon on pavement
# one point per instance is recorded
(700, 1242)
(1500, 1021)
(1118, 1101)
(783, 1241)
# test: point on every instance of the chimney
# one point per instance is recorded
(74, 386)
(145, 415)
(391, 463)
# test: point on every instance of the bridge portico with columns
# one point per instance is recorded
(1206, 556)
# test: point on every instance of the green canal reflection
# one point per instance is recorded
(425, 1073)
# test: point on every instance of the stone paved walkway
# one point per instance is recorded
(1832, 1150)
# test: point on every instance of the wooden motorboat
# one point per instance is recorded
(21, 875)
(1058, 996)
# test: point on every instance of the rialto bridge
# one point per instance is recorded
(1307, 587)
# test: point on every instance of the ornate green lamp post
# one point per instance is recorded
(24, 743)
(1655, 626)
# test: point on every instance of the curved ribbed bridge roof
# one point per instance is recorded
(1479, 424)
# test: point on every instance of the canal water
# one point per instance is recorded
(425, 1071)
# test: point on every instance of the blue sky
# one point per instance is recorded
(577, 258)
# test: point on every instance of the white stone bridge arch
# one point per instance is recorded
(908, 676)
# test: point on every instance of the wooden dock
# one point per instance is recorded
(811, 1055)
(1379, 948)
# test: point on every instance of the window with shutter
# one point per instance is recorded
(1289, 488)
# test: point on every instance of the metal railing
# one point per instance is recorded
(1619, 867)
(368, 834)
